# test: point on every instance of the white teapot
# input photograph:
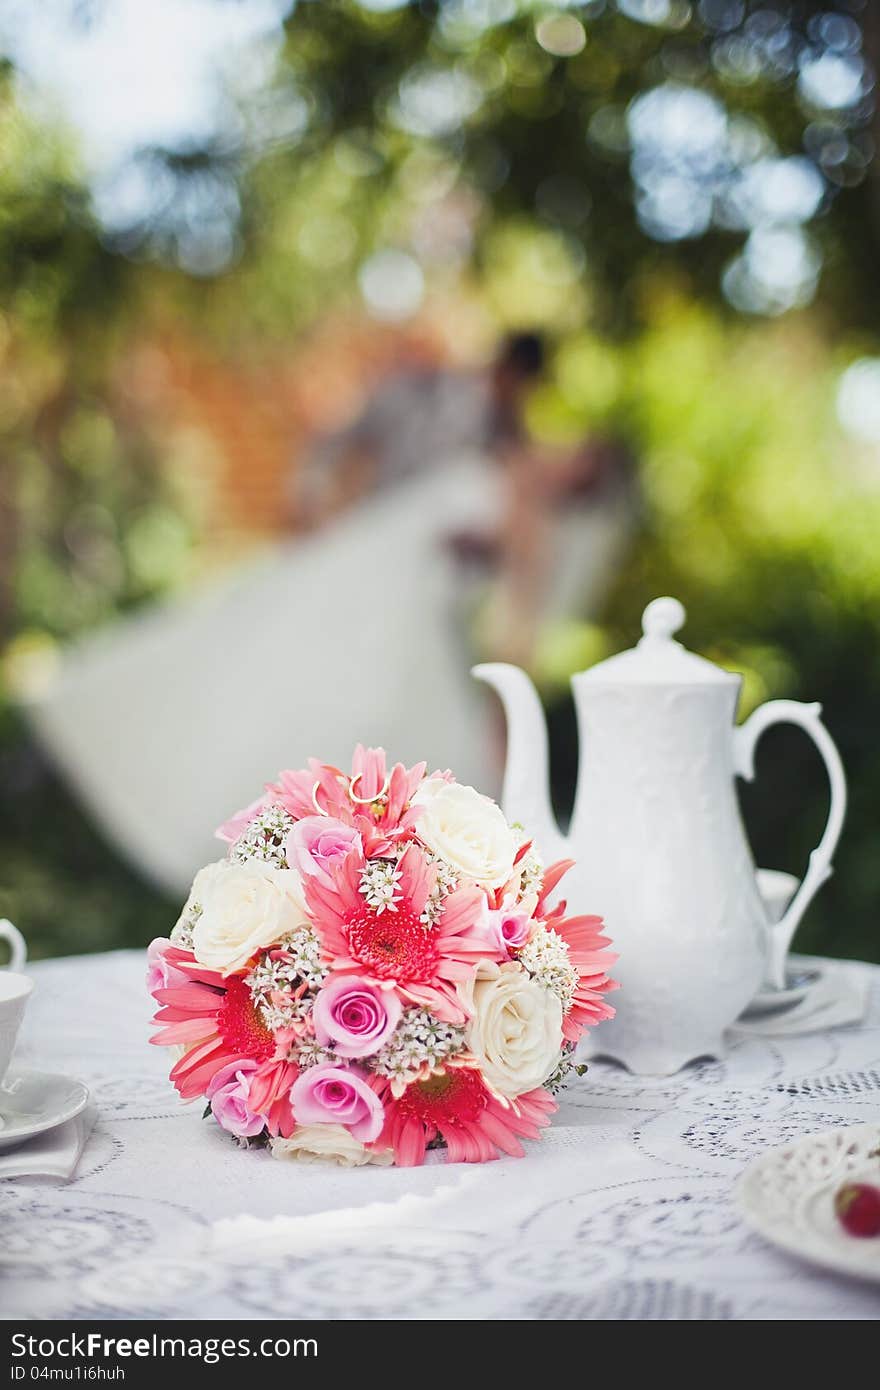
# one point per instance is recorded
(657, 838)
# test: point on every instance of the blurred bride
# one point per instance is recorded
(168, 721)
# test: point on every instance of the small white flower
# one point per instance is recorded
(560, 1077)
(284, 1010)
(378, 885)
(276, 981)
(418, 1039)
(445, 883)
(547, 960)
(268, 977)
(182, 931)
(302, 950)
(265, 838)
(531, 869)
(308, 1052)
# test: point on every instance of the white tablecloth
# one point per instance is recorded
(624, 1210)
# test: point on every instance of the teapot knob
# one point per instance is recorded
(661, 618)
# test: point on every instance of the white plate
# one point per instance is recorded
(34, 1101)
(788, 1196)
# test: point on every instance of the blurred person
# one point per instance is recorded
(562, 515)
(419, 418)
(353, 631)
(553, 519)
(565, 527)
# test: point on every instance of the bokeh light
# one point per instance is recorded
(777, 270)
(833, 81)
(679, 150)
(671, 14)
(561, 34)
(392, 284)
(777, 190)
(435, 101)
(858, 400)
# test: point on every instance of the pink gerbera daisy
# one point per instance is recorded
(270, 1088)
(217, 1022)
(319, 789)
(590, 958)
(456, 1106)
(394, 946)
(214, 1019)
(588, 953)
(373, 799)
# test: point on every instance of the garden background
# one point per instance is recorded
(223, 222)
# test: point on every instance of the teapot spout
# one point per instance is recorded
(526, 793)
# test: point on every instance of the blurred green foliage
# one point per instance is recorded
(757, 518)
(756, 512)
(91, 522)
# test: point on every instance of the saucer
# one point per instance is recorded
(800, 980)
(34, 1101)
(787, 1194)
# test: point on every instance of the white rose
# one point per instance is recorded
(200, 887)
(429, 788)
(319, 1143)
(467, 830)
(516, 1028)
(245, 908)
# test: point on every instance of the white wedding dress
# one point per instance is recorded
(169, 721)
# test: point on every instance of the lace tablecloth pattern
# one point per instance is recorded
(624, 1210)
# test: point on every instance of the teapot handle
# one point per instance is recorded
(820, 868)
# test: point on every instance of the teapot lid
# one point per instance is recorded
(657, 659)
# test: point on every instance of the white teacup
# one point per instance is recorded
(14, 991)
(17, 945)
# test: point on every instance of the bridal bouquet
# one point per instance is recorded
(374, 970)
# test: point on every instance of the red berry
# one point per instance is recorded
(857, 1205)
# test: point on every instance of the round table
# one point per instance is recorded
(624, 1210)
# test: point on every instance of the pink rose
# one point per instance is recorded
(354, 1018)
(231, 829)
(160, 973)
(228, 1093)
(505, 929)
(316, 844)
(328, 1094)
